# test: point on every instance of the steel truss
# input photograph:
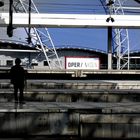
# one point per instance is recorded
(120, 38)
(40, 37)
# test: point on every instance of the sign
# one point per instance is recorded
(82, 63)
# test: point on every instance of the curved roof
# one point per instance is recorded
(68, 47)
(135, 51)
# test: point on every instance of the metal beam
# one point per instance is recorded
(70, 20)
(18, 50)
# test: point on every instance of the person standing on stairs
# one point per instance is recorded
(17, 74)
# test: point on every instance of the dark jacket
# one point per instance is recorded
(17, 74)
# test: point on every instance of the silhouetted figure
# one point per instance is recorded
(18, 79)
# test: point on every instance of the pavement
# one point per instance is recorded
(123, 107)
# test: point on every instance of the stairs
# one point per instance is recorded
(72, 108)
(75, 91)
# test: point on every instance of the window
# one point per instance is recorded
(34, 64)
(9, 63)
(46, 63)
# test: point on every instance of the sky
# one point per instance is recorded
(95, 38)
(90, 38)
(78, 37)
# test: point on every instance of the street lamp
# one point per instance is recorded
(1, 3)
(109, 4)
(110, 19)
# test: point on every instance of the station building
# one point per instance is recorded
(33, 58)
(71, 57)
(68, 55)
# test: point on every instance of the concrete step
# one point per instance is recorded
(84, 120)
(75, 84)
(74, 95)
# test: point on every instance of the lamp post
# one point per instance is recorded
(29, 28)
(1, 3)
(109, 4)
(10, 26)
(29, 23)
(109, 48)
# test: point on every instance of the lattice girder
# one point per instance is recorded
(40, 38)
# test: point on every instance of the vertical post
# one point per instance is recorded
(109, 48)
(29, 12)
(29, 24)
(11, 12)
(10, 26)
(1, 3)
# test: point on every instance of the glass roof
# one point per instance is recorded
(85, 6)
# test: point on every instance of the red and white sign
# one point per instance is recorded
(82, 63)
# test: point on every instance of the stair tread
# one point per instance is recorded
(59, 106)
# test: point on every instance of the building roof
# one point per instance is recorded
(73, 47)
(15, 47)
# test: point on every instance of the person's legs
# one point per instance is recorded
(16, 93)
(21, 97)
